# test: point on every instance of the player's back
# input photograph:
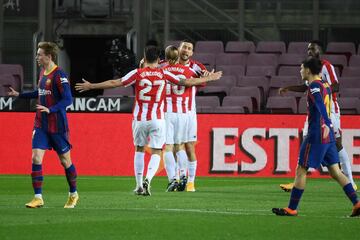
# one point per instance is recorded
(316, 121)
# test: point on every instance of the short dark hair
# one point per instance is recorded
(317, 42)
(187, 41)
(152, 54)
(314, 64)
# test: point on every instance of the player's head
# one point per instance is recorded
(171, 54)
(151, 54)
(314, 48)
(46, 53)
(310, 66)
(186, 49)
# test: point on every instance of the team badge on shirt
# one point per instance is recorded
(48, 81)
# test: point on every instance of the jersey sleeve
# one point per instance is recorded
(328, 72)
(33, 94)
(130, 78)
(317, 98)
(63, 86)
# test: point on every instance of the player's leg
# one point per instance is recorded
(170, 167)
(40, 143)
(182, 160)
(140, 140)
(192, 165)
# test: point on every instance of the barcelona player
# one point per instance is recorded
(319, 146)
(51, 130)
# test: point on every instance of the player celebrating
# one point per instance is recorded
(148, 114)
(319, 145)
(328, 75)
(51, 126)
(176, 118)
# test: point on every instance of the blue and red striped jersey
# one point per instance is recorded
(319, 110)
(54, 93)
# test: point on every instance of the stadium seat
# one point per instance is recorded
(240, 47)
(282, 104)
(276, 47)
(298, 48)
(253, 92)
(354, 61)
(6, 81)
(229, 109)
(351, 72)
(231, 59)
(349, 105)
(255, 81)
(349, 92)
(277, 82)
(289, 71)
(208, 59)
(214, 47)
(227, 80)
(262, 59)
(349, 82)
(266, 71)
(206, 104)
(345, 48)
(291, 59)
(120, 91)
(231, 70)
(302, 107)
(211, 90)
(17, 71)
(239, 101)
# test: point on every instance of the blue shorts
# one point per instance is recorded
(57, 141)
(313, 154)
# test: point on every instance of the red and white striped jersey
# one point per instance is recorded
(328, 74)
(177, 97)
(198, 68)
(149, 91)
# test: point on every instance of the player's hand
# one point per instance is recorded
(42, 108)
(326, 130)
(13, 93)
(214, 75)
(282, 91)
(142, 63)
(82, 87)
(206, 73)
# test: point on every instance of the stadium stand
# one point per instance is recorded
(239, 101)
(338, 61)
(354, 61)
(228, 81)
(206, 103)
(262, 83)
(302, 106)
(208, 59)
(291, 59)
(289, 71)
(351, 72)
(120, 91)
(240, 47)
(231, 59)
(345, 48)
(276, 104)
(17, 71)
(275, 47)
(253, 92)
(349, 105)
(298, 48)
(231, 70)
(6, 81)
(349, 82)
(215, 47)
(262, 59)
(349, 92)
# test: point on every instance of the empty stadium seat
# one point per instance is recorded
(255, 81)
(208, 59)
(298, 47)
(346, 48)
(336, 60)
(262, 59)
(253, 92)
(227, 80)
(214, 47)
(354, 61)
(239, 101)
(211, 90)
(276, 47)
(289, 71)
(229, 109)
(291, 59)
(17, 71)
(231, 70)
(231, 59)
(349, 92)
(6, 81)
(349, 82)
(351, 72)
(119, 91)
(240, 47)
(266, 71)
(349, 105)
(282, 104)
(206, 104)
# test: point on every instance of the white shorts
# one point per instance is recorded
(335, 120)
(191, 127)
(149, 132)
(176, 124)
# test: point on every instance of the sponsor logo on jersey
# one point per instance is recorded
(44, 92)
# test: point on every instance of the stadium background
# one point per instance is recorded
(103, 39)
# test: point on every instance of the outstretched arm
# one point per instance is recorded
(86, 86)
(13, 93)
(198, 81)
(295, 88)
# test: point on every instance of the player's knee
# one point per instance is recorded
(139, 149)
(169, 148)
(339, 145)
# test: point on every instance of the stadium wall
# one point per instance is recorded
(228, 145)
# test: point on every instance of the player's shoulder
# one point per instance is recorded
(326, 62)
(315, 86)
(194, 63)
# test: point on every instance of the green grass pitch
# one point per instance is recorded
(222, 208)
